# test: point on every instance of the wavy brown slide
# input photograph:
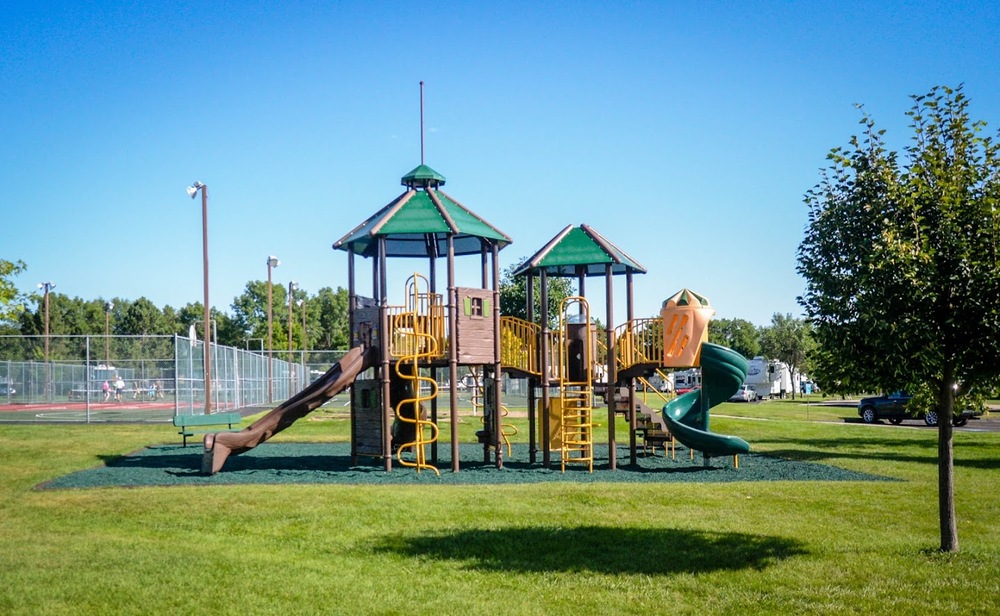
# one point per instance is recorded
(220, 445)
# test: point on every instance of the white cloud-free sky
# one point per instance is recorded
(685, 132)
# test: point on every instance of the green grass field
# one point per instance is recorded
(598, 548)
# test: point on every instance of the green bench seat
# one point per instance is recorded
(204, 424)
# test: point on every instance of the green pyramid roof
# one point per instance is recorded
(687, 297)
(423, 176)
(578, 250)
(419, 222)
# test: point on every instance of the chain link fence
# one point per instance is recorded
(142, 378)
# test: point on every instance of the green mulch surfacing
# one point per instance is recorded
(321, 463)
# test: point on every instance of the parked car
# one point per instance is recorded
(7, 390)
(744, 394)
(893, 408)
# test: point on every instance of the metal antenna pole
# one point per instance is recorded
(421, 122)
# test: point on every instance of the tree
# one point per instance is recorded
(739, 335)
(10, 300)
(901, 265)
(788, 340)
(328, 330)
(250, 311)
(142, 318)
(514, 294)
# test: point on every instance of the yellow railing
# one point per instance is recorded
(639, 341)
(414, 328)
(519, 344)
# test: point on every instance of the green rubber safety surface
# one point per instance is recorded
(330, 463)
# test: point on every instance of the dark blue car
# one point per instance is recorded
(893, 408)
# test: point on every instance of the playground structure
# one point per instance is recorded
(398, 351)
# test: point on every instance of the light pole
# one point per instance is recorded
(305, 339)
(305, 375)
(192, 191)
(272, 262)
(47, 286)
(292, 288)
(108, 307)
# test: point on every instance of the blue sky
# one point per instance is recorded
(685, 132)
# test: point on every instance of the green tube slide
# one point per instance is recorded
(722, 373)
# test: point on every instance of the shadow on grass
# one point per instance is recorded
(869, 448)
(598, 549)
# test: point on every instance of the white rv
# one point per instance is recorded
(769, 378)
(687, 379)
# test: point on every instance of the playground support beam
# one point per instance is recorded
(352, 298)
(629, 317)
(609, 291)
(383, 293)
(432, 283)
(497, 414)
(532, 381)
(546, 401)
(453, 351)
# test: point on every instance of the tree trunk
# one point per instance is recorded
(946, 466)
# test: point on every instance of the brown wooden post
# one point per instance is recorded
(546, 402)
(384, 338)
(453, 351)
(609, 292)
(352, 329)
(630, 316)
(497, 364)
(532, 381)
(434, 401)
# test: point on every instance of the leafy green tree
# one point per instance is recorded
(739, 335)
(514, 294)
(789, 340)
(11, 302)
(142, 318)
(902, 267)
(327, 319)
(250, 311)
(227, 332)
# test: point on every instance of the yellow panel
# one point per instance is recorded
(555, 423)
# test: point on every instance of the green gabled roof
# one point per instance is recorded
(418, 224)
(577, 250)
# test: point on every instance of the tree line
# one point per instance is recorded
(326, 320)
(318, 321)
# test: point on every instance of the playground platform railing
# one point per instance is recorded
(639, 342)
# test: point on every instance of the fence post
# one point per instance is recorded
(86, 382)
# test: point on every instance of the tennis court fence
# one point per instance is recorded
(62, 378)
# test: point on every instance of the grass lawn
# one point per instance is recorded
(601, 548)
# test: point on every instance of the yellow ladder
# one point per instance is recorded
(576, 398)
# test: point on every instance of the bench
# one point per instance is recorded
(187, 424)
